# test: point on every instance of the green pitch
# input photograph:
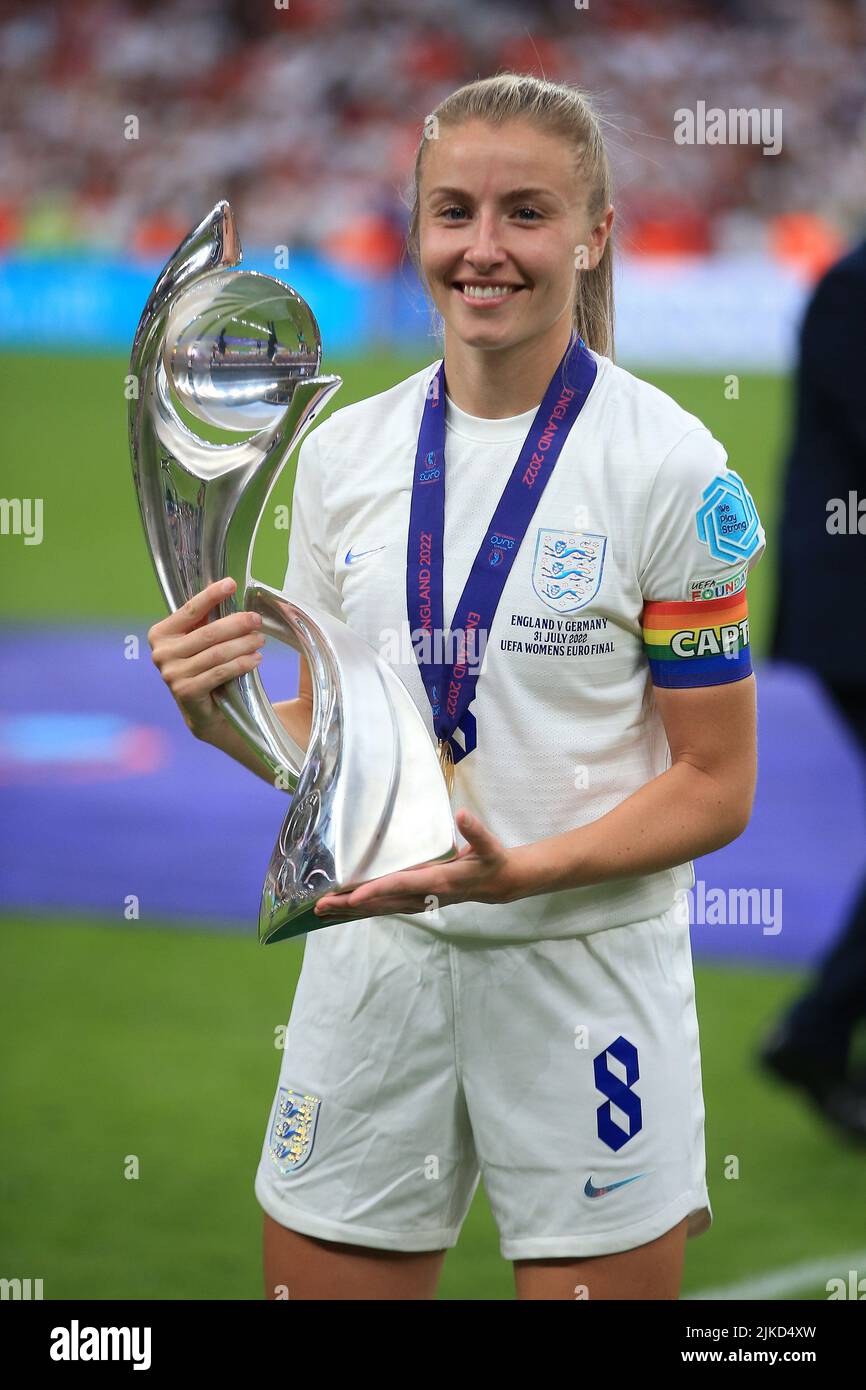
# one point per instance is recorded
(138, 1043)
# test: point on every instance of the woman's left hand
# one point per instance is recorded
(482, 872)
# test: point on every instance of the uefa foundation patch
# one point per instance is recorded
(293, 1130)
(704, 643)
(703, 590)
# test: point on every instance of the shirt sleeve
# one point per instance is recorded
(310, 570)
(701, 537)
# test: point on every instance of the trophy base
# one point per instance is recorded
(299, 926)
(280, 921)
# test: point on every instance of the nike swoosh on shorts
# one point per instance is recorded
(591, 1191)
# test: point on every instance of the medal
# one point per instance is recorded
(450, 684)
(446, 762)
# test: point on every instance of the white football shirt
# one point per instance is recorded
(632, 571)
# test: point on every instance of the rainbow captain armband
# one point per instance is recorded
(697, 643)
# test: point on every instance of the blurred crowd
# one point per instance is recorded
(306, 114)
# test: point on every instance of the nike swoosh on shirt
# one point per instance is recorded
(359, 555)
(591, 1191)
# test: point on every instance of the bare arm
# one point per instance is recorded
(195, 657)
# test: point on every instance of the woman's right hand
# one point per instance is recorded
(195, 657)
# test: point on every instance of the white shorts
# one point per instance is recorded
(565, 1072)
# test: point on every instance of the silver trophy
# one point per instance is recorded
(235, 352)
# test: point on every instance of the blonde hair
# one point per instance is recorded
(563, 110)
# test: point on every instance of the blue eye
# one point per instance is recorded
(456, 213)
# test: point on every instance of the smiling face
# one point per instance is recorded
(501, 217)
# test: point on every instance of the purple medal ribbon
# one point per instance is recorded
(451, 685)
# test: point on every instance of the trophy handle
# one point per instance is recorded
(352, 754)
(244, 700)
(370, 799)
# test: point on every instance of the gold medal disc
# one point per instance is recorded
(446, 762)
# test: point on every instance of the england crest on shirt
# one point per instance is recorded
(566, 571)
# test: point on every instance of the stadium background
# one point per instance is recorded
(155, 1036)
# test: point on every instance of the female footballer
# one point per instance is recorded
(526, 1011)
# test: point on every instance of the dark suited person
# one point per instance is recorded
(822, 588)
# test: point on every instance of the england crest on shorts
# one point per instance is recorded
(566, 571)
(293, 1130)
